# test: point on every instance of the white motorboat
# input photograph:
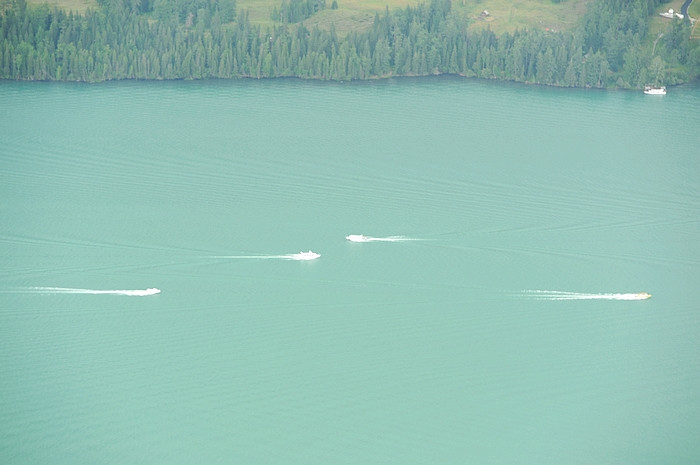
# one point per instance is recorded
(653, 90)
(305, 255)
(131, 292)
(357, 238)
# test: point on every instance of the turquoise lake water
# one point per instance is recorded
(491, 324)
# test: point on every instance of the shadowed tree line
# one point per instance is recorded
(196, 39)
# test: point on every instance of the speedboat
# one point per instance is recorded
(305, 255)
(151, 291)
(653, 90)
(643, 295)
(357, 238)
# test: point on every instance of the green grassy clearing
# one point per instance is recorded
(694, 12)
(504, 15)
(509, 15)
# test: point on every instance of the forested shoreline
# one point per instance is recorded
(199, 39)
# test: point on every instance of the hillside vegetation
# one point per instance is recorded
(356, 15)
(595, 43)
(79, 6)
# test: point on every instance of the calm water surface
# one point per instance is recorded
(489, 326)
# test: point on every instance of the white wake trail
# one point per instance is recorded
(70, 290)
(363, 238)
(291, 256)
(393, 239)
(252, 257)
(565, 295)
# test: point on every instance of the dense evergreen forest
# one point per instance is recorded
(196, 39)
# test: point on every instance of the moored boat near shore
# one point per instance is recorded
(654, 90)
